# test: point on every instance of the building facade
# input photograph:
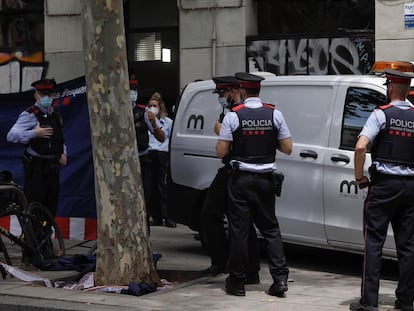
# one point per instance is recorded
(173, 42)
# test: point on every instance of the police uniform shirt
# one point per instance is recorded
(23, 131)
(231, 123)
(375, 123)
(165, 124)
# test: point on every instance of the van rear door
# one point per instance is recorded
(193, 157)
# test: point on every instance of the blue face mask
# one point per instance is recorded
(46, 101)
(223, 102)
(133, 95)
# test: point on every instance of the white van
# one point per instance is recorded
(320, 204)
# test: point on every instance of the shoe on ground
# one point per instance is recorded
(156, 222)
(170, 223)
(252, 279)
(401, 306)
(235, 288)
(278, 289)
(358, 306)
(213, 270)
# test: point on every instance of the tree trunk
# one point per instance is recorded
(123, 248)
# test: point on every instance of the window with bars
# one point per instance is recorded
(145, 47)
(21, 25)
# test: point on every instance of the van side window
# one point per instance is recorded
(359, 104)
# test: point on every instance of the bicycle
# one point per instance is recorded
(38, 226)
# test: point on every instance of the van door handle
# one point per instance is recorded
(308, 154)
(340, 158)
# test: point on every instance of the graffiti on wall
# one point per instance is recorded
(319, 56)
(19, 71)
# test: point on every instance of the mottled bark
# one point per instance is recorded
(123, 248)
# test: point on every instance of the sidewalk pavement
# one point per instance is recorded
(182, 260)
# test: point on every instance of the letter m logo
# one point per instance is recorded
(193, 122)
(348, 185)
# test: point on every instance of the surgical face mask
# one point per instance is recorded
(154, 110)
(223, 102)
(45, 101)
(133, 95)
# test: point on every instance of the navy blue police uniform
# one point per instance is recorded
(142, 137)
(390, 198)
(41, 155)
(215, 207)
(254, 129)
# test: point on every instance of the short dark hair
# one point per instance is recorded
(252, 91)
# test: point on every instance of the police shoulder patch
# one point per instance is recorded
(269, 106)
(383, 107)
(238, 107)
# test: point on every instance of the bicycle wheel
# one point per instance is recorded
(44, 235)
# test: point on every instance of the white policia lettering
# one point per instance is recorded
(256, 123)
(402, 123)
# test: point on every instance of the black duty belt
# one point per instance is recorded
(31, 157)
(389, 176)
(240, 172)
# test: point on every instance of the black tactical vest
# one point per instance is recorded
(141, 128)
(255, 140)
(54, 144)
(395, 143)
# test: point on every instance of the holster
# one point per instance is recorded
(277, 178)
(373, 173)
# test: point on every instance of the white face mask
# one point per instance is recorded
(154, 110)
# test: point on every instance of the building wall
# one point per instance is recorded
(63, 39)
(392, 40)
(213, 37)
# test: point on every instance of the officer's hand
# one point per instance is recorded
(217, 127)
(152, 118)
(63, 159)
(43, 132)
(363, 182)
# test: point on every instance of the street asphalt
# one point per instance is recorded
(318, 280)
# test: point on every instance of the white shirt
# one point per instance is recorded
(375, 123)
(231, 123)
(165, 124)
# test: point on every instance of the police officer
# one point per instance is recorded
(141, 131)
(390, 198)
(215, 204)
(39, 128)
(160, 126)
(253, 132)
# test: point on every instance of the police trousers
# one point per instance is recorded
(41, 181)
(252, 199)
(390, 199)
(160, 164)
(213, 227)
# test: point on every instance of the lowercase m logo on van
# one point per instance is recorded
(348, 185)
(193, 120)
